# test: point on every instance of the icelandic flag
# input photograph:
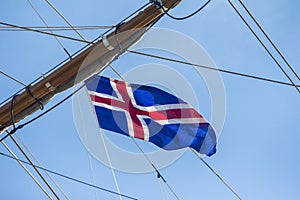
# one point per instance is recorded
(150, 114)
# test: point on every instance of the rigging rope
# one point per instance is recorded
(92, 173)
(12, 78)
(217, 175)
(180, 18)
(211, 68)
(44, 32)
(59, 13)
(263, 45)
(88, 154)
(159, 175)
(45, 23)
(39, 164)
(269, 39)
(57, 28)
(35, 169)
(13, 156)
(68, 177)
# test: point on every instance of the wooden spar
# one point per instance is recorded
(90, 61)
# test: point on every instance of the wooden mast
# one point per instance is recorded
(88, 62)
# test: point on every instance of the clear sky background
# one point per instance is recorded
(259, 144)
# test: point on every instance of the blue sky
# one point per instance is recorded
(258, 147)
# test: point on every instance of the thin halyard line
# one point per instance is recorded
(105, 148)
(85, 142)
(142, 151)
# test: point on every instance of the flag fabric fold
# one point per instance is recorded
(150, 114)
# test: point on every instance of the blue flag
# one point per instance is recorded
(150, 114)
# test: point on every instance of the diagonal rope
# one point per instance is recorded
(159, 175)
(44, 32)
(45, 23)
(12, 78)
(68, 177)
(61, 15)
(211, 68)
(269, 39)
(39, 164)
(217, 175)
(35, 169)
(13, 155)
(263, 45)
(59, 28)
